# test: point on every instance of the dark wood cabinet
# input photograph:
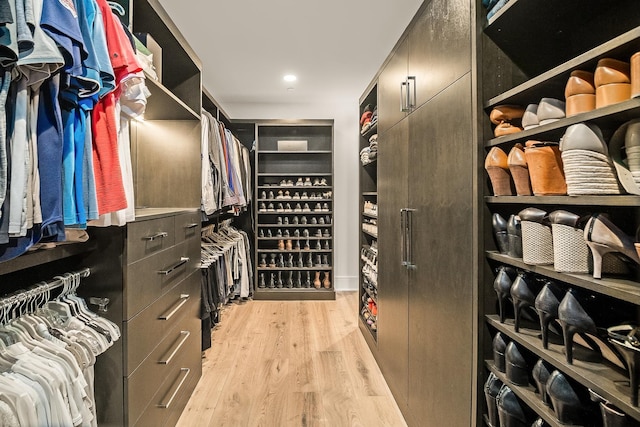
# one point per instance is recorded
(426, 200)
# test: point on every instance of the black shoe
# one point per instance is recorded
(491, 389)
(511, 412)
(546, 303)
(540, 373)
(570, 407)
(516, 364)
(502, 285)
(499, 350)
(514, 233)
(499, 225)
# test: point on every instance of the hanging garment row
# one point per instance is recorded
(226, 272)
(48, 349)
(69, 80)
(226, 170)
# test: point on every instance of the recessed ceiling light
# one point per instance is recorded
(290, 78)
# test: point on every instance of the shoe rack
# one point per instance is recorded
(368, 289)
(294, 210)
(527, 52)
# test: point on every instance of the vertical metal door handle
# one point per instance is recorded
(403, 229)
(404, 96)
(411, 81)
(410, 264)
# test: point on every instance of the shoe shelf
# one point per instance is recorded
(529, 396)
(370, 193)
(368, 215)
(608, 381)
(370, 162)
(374, 235)
(289, 167)
(552, 83)
(371, 131)
(622, 289)
(611, 116)
(370, 294)
(611, 200)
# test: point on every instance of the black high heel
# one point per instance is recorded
(499, 350)
(546, 303)
(514, 232)
(611, 415)
(567, 403)
(510, 411)
(491, 389)
(575, 320)
(502, 285)
(499, 225)
(516, 364)
(540, 373)
(626, 339)
(522, 297)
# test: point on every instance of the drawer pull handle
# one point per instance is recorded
(183, 300)
(183, 261)
(185, 336)
(193, 225)
(185, 372)
(159, 235)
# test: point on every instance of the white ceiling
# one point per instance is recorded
(334, 47)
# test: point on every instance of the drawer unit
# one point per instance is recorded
(145, 331)
(175, 352)
(149, 278)
(148, 237)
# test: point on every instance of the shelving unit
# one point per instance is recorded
(285, 153)
(368, 240)
(520, 65)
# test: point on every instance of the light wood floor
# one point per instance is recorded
(291, 363)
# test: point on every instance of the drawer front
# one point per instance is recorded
(187, 226)
(146, 238)
(149, 278)
(148, 328)
(156, 389)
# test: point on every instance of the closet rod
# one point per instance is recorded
(41, 288)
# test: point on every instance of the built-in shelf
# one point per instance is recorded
(294, 238)
(374, 235)
(368, 215)
(296, 152)
(370, 193)
(294, 293)
(612, 115)
(295, 225)
(42, 256)
(371, 131)
(297, 213)
(530, 397)
(295, 187)
(370, 162)
(566, 200)
(294, 201)
(268, 174)
(315, 268)
(164, 105)
(623, 289)
(370, 294)
(609, 382)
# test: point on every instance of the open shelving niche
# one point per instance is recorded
(312, 159)
(367, 193)
(527, 75)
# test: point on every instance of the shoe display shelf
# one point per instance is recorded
(368, 309)
(294, 210)
(528, 51)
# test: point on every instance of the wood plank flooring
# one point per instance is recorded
(291, 363)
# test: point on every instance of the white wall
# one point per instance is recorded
(346, 166)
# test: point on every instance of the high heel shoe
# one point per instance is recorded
(611, 415)
(502, 285)
(540, 373)
(626, 338)
(567, 403)
(499, 225)
(519, 170)
(498, 170)
(516, 364)
(546, 303)
(602, 236)
(491, 389)
(575, 320)
(514, 232)
(522, 297)
(511, 412)
(499, 350)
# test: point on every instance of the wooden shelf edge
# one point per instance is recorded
(622, 289)
(43, 256)
(291, 294)
(375, 236)
(370, 193)
(612, 200)
(597, 376)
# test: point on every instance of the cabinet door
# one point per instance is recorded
(439, 46)
(392, 275)
(441, 286)
(390, 87)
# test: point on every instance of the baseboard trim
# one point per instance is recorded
(346, 283)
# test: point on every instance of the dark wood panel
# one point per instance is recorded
(439, 47)
(167, 163)
(391, 77)
(441, 287)
(392, 276)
